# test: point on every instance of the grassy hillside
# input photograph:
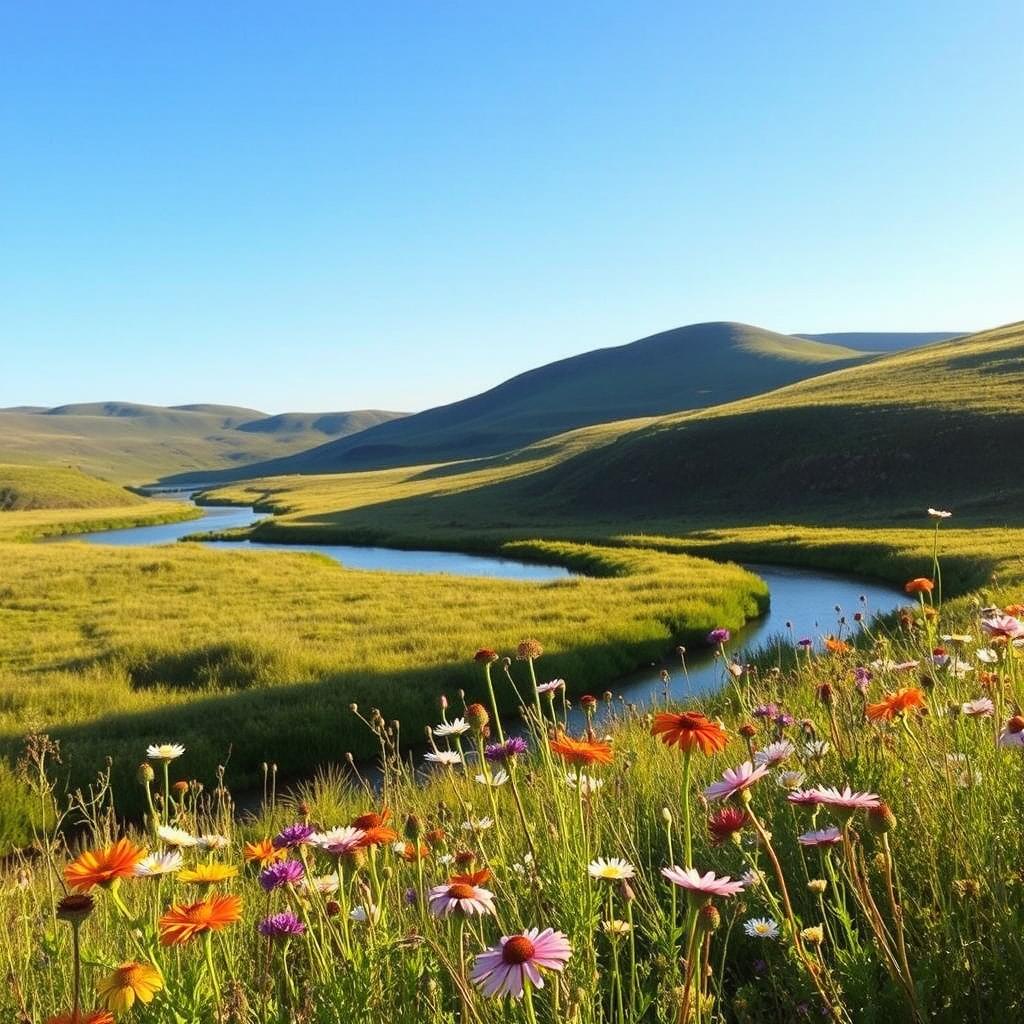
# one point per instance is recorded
(690, 367)
(136, 444)
(883, 341)
(45, 487)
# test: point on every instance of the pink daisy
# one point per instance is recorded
(735, 780)
(805, 797)
(460, 896)
(1003, 626)
(847, 799)
(705, 885)
(823, 837)
(774, 753)
(980, 707)
(507, 968)
(338, 841)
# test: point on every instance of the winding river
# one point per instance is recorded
(804, 602)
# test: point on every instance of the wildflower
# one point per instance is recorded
(790, 780)
(836, 646)
(472, 877)
(502, 753)
(103, 867)
(339, 841)
(208, 874)
(774, 753)
(718, 636)
(119, 989)
(499, 778)
(185, 921)
(478, 718)
(830, 836)
(76, 907)
(735, 780)
(727, 824)
(164, 751)
(586, 784)
(615, 927)
(612, 869)
(411, 852)
(463, 897)
(292, 836)
(262, 852)
(919, 585)
(751, 877)
(477, 824)
(766, 711)
(881, 819)
(529, 650)
(325, 885)
(176, 837)
(1013, 734)
(815, 935)
(688, 731)
(454, 728)
(284, 872)
(505, 969)
(93, 1017)
(581, 752)
(817, 886)
(980, 707)
(938, 513)
(702, 885)
(845, 800)
(747, 731)
(761, 928)
(156, 864)
(551, 687)
(365, 914)
(445, 757)
(1003, 627)
(485, 656)
(894, 704)
(281, 926)
(805, 797)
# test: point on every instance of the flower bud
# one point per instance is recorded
(75, 908)
(708, 918)
(817, 886)
(413, 827)
(477, 716)
(145, 773)
(881, 819)
(747, 731)
(333, 908)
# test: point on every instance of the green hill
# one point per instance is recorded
(137, 443)
(884, 341)
(24, 488)
(686, 368)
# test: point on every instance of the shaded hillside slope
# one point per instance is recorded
(884, 341)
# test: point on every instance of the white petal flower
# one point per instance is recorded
(454, 728)
(498, 778)
(447, 757)
(164, 751)
(158, 864)
(176, 837)
(761, 928)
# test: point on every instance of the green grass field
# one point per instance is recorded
(27, 488)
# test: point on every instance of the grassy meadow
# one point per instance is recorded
(896, 903)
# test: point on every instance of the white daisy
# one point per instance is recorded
(498, 778)
(158, 864)
(774, 753)
(454, 728)
(447, 757)
(213, 842)
(611, 869)
(176, 837)
(587, 784)
(761, 928)
(615, 927)
(363, 914)
(477, 824)
(164, 751)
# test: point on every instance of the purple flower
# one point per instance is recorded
(503, 752)
(784, 718)
(861, 678)
(281, 926)
(284, 872)
(293, 835)
(805, 642)
(718, 636)
(766, 711)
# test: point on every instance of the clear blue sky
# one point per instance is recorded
(329, 206)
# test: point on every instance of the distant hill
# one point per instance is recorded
(33, 487)
(686, 368)
(135, 443)
(884, 341)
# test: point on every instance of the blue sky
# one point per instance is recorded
(328, 206)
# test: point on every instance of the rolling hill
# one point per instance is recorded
(134, 443)
(686, 368)
(884, 341)
(26, 488)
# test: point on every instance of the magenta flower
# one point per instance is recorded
(462, 897)
(505, 969)
(555, 684)
(338, 841)
(804, 797)
(281, 926)
(847, 800)
(501, 753)
(284, 872)
(718, 636)
(293, 835)
(1003, 626)
(735, 780)
(702, 885)
(823, 837)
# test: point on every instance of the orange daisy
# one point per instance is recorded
(263, 852)
(473, 878)
(103, 866)
(185, 921)
(408, 853)
(1016, 610)
(919, 585)
(689, 730)
(375, 826)
(581, 752)
(835, 646)
(83, 1017)
(893, 704)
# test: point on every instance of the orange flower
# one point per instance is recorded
(689, 730)
(1016, 610)
(835, 646)
(893, 704)
(581, 752)
(263, 852)
(920, 585)
(185, 921)
(83, 1017)
(473, 878)
(376, 828)
(104, 866)
(408, 853)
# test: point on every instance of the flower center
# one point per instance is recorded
(461, 891)
(518, 950)
(690, 721)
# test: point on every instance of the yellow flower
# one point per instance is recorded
(814, 935)
(208, 874)
(119, 990)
